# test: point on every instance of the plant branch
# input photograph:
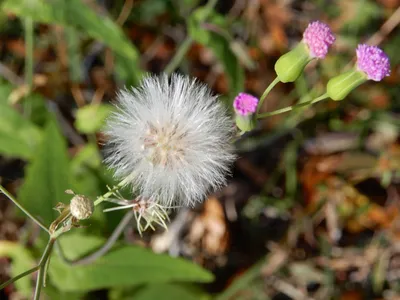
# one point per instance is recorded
(11, 197)
(14, 279)
(184, 47)
(266, 92)
(42, 268)
(292, 107)
(104, 249)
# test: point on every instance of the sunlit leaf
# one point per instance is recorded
(47, 177)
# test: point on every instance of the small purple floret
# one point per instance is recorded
(373, 61)
(245, 104)
(318, 37)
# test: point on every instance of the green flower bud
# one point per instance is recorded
(290, 65)
(246, 123)
(340, 86)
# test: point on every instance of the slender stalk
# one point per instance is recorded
(111, 191)
(29, 44)
(14, 279)
(11, 197)
(266, 92)
(104, 249)
(292, 107)
(184, 47)
(42, 269)
(176, 60)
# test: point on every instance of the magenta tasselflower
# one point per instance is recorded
(318, 37)
(373, 61)
(245, 104)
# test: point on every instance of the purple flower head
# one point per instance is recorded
(373, 61)
(318, 37)
(245, 104)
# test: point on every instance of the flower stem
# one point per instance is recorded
(176, 60)
(9, 196)
(104, 249)
(292, 107)
(184, 47)
(266, 92)
(29, 44)
(26, 273)
(42, 268)
(111, 191)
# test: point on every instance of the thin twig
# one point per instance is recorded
(29, 44)
(385, 29)
(42, 268)
(14, 279)
(11, 197)
(184, 47)
(104, 249)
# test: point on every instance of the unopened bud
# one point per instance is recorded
(340, 86)
(81, 207)
(290, 65)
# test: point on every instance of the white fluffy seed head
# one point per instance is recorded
(172, 138)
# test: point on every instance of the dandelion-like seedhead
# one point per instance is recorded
(318, 37)
(373, 61)
(171, 138)
(245, 104)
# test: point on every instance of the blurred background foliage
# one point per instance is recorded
(312, 209)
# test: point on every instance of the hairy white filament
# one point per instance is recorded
(171, 136)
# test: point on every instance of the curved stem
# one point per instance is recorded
(104, 249)
(176, 60)
(29, 44)
(111, 191)
(266, 92)
(292, 107)
(14, 279)
(11, 197)
(42, 268)
(184, 47)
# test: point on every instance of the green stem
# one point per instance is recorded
(184, 47)
(42, 269)
(176, 60)
(289, 108)
(111, 191)
(26, 273)
(29, 44)
(9, 196)
(266, 92)
(104, 249)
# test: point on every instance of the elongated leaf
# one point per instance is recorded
(163, 291)
(221, 44)
(47, 177)
(122, 267)
(79, 15)
(22, 261)
(18, 136)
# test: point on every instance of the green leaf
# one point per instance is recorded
(86, 168)
(122, 267)
(18, 136)
(79, 15)
(22, 261)
(90, 118)
(47, 177)
(222, 46)
(164, 291)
